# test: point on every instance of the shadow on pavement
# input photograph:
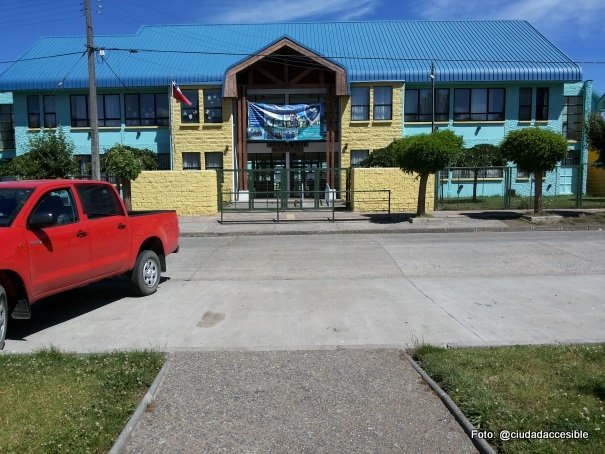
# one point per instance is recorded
(65, 306)
(497, 215)
(382, 218)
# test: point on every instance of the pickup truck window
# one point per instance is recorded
(61, 204)
(11, 202)
(99, 201)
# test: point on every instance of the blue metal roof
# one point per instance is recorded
(464, 51)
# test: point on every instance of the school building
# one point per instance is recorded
(278, 106)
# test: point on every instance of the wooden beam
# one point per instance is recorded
(301, 76)
(269, 75)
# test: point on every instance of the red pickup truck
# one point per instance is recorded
(59, 234)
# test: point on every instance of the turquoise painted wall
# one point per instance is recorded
(475, 133)
(154, 138)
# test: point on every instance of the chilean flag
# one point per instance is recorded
(178, 94)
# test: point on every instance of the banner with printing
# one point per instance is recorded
(289, 122)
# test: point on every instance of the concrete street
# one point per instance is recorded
(321, 291)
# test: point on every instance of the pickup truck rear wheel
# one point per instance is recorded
(145, 276)
(4, 316)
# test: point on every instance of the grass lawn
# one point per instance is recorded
(53, 402)
(544, 388)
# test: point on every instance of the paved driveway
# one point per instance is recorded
(321, 291)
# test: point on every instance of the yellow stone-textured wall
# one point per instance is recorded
(595, 183)
(403, 187)
(190, 193)
(371, 134)
(204, 137)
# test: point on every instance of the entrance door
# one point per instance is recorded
(565, 180)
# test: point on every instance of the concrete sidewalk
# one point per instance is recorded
(325, 222)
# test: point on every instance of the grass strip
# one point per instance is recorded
(526, 388)
(55, 402)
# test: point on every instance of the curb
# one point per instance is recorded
(482, 445)
(549, 228)
(149, 397)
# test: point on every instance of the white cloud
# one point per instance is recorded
(242, 11)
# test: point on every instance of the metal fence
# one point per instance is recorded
(500, 188)
(282, 189)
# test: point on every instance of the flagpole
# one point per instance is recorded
(170, 139)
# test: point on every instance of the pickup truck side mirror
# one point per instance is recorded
(40, 219)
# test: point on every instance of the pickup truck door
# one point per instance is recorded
(59, 253)
(108, 227)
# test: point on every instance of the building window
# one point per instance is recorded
(108, 111)
(33, 112)
(419, 105)
(213, 106)
(191, 160)
(79, 111)
(383, 103)
(357, 156)
(7, 127)
(214, 160)
(48, 112)
(469, 174)
(146, 109)
(360, 103)
(542, 98)
(479, 104)
(190, 114)
(524, 104)
(108, 108)
(573, 117)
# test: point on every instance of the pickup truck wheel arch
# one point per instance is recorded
(146, 273)
(4, 316)
(155, 244)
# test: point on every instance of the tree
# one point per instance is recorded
(126, 163)
(482, 155)
(536, 151)
(383, 157)
(425, 154)
(596, 137)
(50, 156)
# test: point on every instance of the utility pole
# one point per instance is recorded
(92, 97)
(433, 96)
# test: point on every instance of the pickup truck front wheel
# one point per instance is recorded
(4, 316)
(145, 276)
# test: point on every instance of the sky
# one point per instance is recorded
(574, 26)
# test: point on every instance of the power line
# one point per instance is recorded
(40, 58)
(348, 57)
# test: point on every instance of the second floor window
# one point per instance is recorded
(525, 104)
(33, 112)
(573, 117)
(383, 103)
(479, 104)
(419, 105)
(213, 106)
(542, 101)
(146, 109)
(190, 114)
(108, 110)
(42, 115)
(360, 103)
(7, 127)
